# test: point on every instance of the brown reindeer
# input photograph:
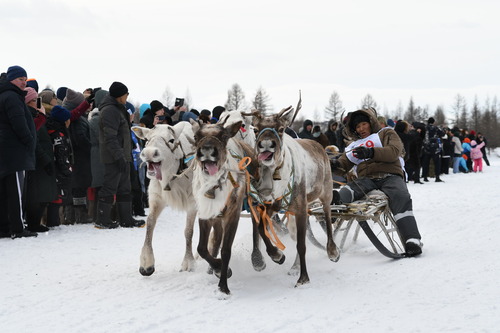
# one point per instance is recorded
(293, 173)
(219, 188)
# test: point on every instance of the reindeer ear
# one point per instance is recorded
(140, 132)
(195, 124)
(287, 116)
(234, 128)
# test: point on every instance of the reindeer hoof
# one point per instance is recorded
(258, 261)
(147, 271)
(217, 273)
(279, 260)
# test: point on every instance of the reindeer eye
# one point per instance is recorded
(281, 130)
(256, 131)
(171, 141)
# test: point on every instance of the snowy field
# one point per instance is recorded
(81, 279)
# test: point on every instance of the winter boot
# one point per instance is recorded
(413, 247)
(53, 218)
(104, 216)
(69, 214)
(137, 204)
(125, 215)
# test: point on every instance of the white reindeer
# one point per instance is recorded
(293, 173)
(167, 151)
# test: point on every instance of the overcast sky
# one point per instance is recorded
(393, 50)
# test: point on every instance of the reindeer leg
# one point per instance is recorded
(215, 240)
(331, 248)
(188, 263)
(301, 220)
(205, 227)
(147, 266)
(274, 253)
(257, 259)
(229, 234)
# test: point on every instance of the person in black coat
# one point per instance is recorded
(81, 179)
(41, 182)
(331, 132)
(17, 151)
(412, 165)
(306, 131)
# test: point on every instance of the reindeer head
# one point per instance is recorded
(211, 144)
(270, 130)
(165, 148)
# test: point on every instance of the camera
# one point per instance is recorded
(179, 102)
(39, 103)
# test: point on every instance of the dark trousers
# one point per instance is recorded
(400, 201)
(11, 203)
(115, 183)
(426, 160)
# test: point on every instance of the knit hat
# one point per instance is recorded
(46, 96)
(60, 114)
(61, 93)
(156, 105)
(205, 112)
(30, 94)
(390, 122)
(117, 89)
(472, 132)
(14, 72)
(217, 111)
(357, 118)
(467, 140)
(72, 99)
(32, 83)
(130, 108)
(143, 108)
(473, 143)
(430, 120)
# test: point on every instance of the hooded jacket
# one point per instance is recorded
(17, 131)
(385, 160)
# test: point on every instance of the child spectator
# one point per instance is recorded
(477, 155)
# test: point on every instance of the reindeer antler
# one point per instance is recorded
(299, 106)
(254, 112)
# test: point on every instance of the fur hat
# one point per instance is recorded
(156, 105)
(72, 99)
(14, 72)
(358, 118)
(46, 96)
(30, 94)
(60, 114)
(117, 89)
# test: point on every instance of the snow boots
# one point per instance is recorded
(125, 215)
(104, 216)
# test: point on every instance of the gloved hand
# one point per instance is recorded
(49, 169)
(362, 153)
(90, 98)
(122, 165)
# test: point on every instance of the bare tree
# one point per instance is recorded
(188, 100)
(368, 102)
(261, 101)
(167, 97)
(475, 115)
(411, 112)
(334, 108)
(439, 115)
(458, 106)
(398, 113)
(235, 98)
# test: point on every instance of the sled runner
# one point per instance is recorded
(373, 216)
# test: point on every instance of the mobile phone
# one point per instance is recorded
(39, 103)
(179, 101)
(161, 117)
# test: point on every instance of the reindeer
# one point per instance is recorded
(293, 173)
(219, 188)
(167, 151)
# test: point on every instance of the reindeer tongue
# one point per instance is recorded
(211, 168)
(155, 168)
(265, 155)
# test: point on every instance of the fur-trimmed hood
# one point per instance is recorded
(371, 113)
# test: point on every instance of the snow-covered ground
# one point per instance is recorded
(81, 279)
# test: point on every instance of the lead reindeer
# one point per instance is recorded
(219, 188)
(293, 173)
(166, 151)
